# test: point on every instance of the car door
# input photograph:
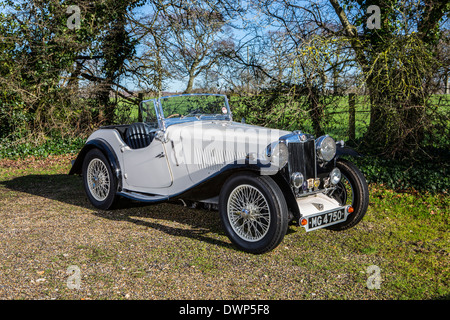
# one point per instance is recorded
(146, 168)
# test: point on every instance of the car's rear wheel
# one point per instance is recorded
(99, 181)
(253, 212)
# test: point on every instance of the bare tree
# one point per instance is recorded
(195, 40)
(150, 66)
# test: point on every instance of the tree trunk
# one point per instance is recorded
(352, 117)
(447, 87)
(397, 124)
(190, 84)
(315, 112)
(106, 108)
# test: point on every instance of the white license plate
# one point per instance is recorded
(326, 219)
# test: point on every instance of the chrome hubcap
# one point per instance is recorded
(248, 213)
(98, 179)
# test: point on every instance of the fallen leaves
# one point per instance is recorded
(37, 163)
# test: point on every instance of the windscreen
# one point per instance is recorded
(199, 106)
(148, 113)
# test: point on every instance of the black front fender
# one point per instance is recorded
(346, 151)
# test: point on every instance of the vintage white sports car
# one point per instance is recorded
(188, 148)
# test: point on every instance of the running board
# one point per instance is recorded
(142, 196)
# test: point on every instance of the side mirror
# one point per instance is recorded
(243, 120)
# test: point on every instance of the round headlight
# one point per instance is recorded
(335, 176)
(278, 154)
(297, 179)
(326, 148)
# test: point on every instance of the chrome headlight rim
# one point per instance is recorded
(335, 176)
(277, 153)
(297, 179)
(326, 148)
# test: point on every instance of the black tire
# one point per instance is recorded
(266, 215)
(106, 198)
(352, 190)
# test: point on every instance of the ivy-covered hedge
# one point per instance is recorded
(400, 175)
(53, 145)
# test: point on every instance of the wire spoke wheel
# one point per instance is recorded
(98, 180)
(253, 212)
(248, 212)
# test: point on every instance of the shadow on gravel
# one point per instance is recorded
(68, 189)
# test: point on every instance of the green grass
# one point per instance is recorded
(413, 242)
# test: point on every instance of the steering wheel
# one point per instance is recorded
(173, 115)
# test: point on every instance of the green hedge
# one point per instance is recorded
(401, 175)
(52, 145)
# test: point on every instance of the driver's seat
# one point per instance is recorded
(138, 135)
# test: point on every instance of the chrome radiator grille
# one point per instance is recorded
(302, 158)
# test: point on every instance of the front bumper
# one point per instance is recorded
(319, 211)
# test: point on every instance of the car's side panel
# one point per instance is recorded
(146, 168)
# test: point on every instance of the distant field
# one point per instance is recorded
(336, 115)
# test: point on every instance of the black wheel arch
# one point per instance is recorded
(289, 196)
(346, 151)
(211, 187)
(340, 152)
(107, 151)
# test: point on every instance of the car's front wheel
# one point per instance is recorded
(99, 182)
(351, 190)
(253, 212)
